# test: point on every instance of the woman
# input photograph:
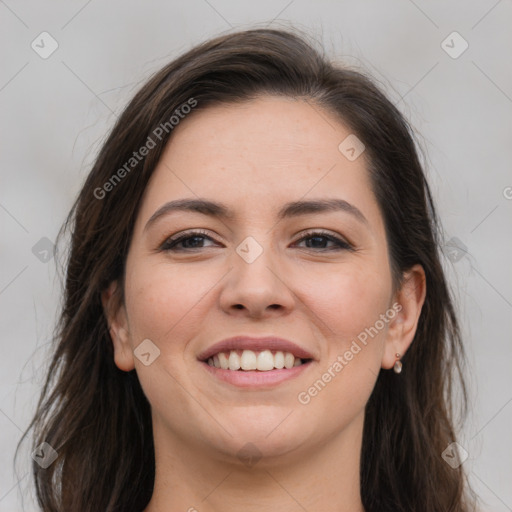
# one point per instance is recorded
(255, 315)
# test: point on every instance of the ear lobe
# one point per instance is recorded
(408, 303)
(115, 313)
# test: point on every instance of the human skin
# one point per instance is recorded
(254, 157)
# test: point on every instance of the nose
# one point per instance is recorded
(256, 288)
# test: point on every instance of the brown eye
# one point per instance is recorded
(318, 240)
(188, 241)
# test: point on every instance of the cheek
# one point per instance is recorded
(350, 303)
(165, 305)
(348, 300)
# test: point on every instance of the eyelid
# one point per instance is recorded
(334, 237)
(341, 242)
(177, 237)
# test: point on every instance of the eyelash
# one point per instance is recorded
(170, 243)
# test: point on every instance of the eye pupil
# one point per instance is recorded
(317, 238)
(195, 238)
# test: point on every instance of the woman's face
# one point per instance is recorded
(272, 266)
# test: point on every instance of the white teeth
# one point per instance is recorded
(249, 360)
(279, 360)
(266, 361)
(234, 361)
(224, 362)
(288, 360)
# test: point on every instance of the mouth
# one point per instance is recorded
(248, 360)
(255, 362)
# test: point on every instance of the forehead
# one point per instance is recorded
(261, 130)
(258, 154)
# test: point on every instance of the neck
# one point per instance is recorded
(323, 477)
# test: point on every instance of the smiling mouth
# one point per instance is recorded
(249, 360)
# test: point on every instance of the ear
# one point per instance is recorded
(115, 312)
(408, 301)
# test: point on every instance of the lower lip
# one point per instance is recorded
(255, 378)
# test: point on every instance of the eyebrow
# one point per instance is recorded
(291, 209)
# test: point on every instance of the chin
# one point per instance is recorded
(271, 435)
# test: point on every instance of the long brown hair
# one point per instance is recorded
(97, 417)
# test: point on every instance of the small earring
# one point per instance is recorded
(397, 368)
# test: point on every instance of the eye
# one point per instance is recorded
(188, 241)
(318, 239)
(195, 240)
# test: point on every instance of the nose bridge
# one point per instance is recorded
(254, 280)
(253, 262)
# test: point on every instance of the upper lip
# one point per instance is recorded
(272, 343)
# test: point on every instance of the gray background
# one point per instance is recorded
(56, 111)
